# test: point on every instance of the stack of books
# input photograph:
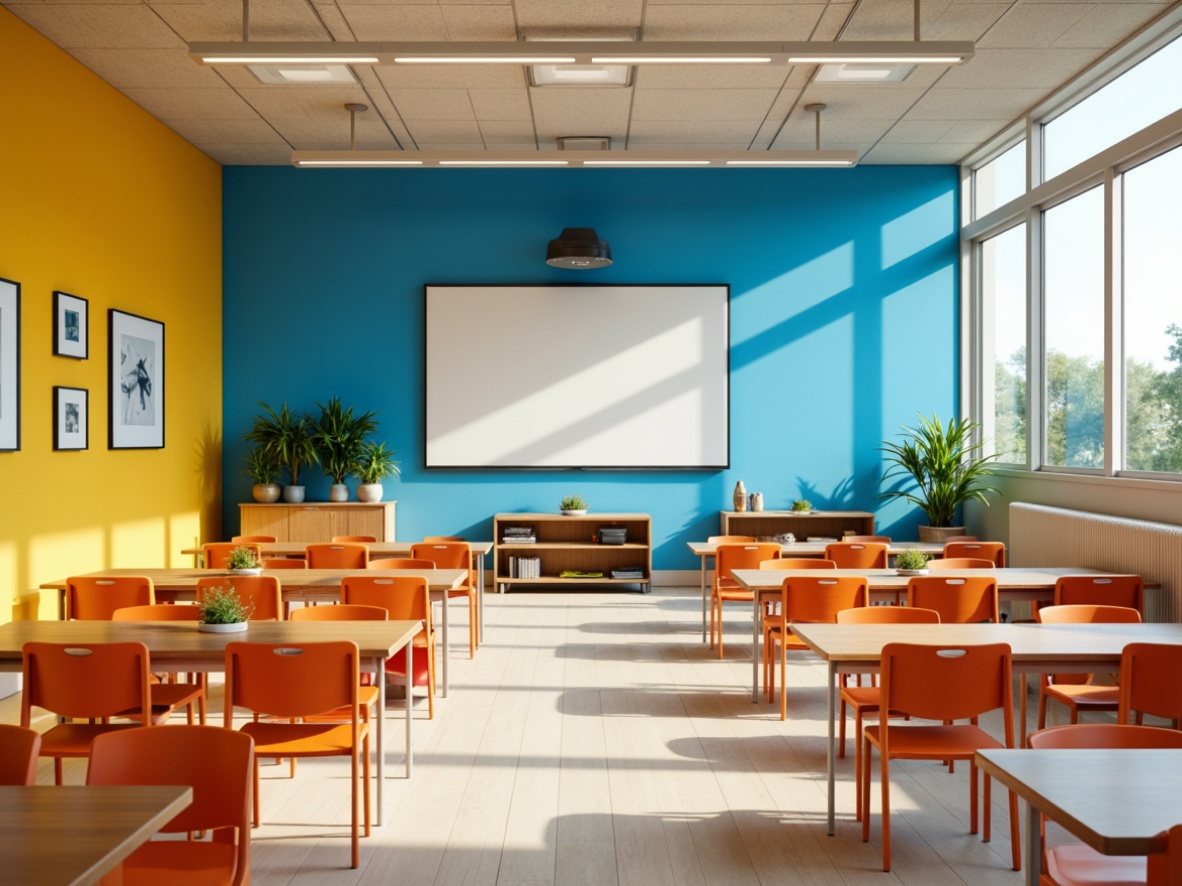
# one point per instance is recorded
(519, 535)
(630, 573)
(525, 567)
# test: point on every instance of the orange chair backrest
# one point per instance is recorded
(978, 550)
(260, 592)
(960, 563)
(217, 553)
(1110, 590)
(873, 539)
(942, 682)
(857, 555)
(404, 597)
(1149, 681)
(260, 539)
(798, 563)
(86, 680)
(960, 600)
(19, 747)
(888, 615)
(292, 679)
(818, 599)
(94, 599)
(1105, 735)
(343, 555)
(401, 563)
(744, 555)
(159, 612)
(339, 612)
(1085, 613)
(444, 538)
(284, 563)
(961, 538)
(731, 539)
(356, 539)
(444, 554)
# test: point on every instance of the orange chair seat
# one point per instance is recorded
(736, 592)
(284, 739)
(1076, 864)
(179, 863)
(395, 666)
(1085, 694)
(960, 741)
(75, 739)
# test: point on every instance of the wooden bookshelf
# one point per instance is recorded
(571, 543)
(824, 524)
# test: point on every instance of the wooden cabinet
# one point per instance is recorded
(318, 521)
(571, 543)
(823, 524)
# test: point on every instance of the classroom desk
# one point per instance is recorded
(178, 646)
(1119, 801)
(296, 585)
(1036, 649)
(71, 835)
(705, 551)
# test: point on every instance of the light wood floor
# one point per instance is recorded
(595, 740)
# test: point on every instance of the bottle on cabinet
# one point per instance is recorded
(740, 496)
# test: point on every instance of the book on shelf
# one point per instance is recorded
(519, 540)
(525, 567)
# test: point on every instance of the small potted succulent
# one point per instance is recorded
(244, 561)
(374, 464)
(573, 505)
(801, 506)
(263, 469)
(912, 563)
(222, 611)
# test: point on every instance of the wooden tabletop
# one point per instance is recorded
(376, 548)
(1119, 801)
(289, 579)
(802, 548)
(1034, 578)
(70, 835)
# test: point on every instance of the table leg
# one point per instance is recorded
(704, 598)
(755, 647)
(446, 605)
(831, 753)
(1022, 711)
(1033, 845)
(410, 690)
(480, 597)
(379, 749)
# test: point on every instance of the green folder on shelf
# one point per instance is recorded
(573, 573)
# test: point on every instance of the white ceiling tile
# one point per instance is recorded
(501, 104)
(665, 131)
(249, 155)
(125, 68)
(704, 104)
(968, 104)
(799, 133)
(433, 104)
(575, 14)
(599, 112)
(1022, 68)
(171, 105)
(430, 134)
(711, 76)
(119, 26)
(975, 131)
(218, 20)
(479, 22)
(880, 102)
(325, 103)
(1106, 25)
(913, 155)
(511, 132)
(378, 22)
(917, 131)
(325, 135)
(1033, 26)
(960, 21)
(450, 76)
(704, 147)
(227, 132)
(720, 132)
(719, 21)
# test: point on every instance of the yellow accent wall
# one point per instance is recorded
(101, 200)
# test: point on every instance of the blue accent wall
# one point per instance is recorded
(844, 319)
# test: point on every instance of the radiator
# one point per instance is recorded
(1046, 536)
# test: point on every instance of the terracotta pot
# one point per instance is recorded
(266, 492)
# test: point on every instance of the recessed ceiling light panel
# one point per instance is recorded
(863, 73)
(289, 74)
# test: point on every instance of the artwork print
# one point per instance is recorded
(71, 418)
(71, 326)
(137, 366)
(10, 365)
(137, 382)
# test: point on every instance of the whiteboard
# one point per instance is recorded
(577, 376)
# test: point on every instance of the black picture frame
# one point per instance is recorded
(71, 326)
(10, 365)
(136, 381)
(71, 418)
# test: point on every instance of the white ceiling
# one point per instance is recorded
(1025, 49)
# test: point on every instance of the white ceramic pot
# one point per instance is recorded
(293, 494)
(338, 492)
(574, 513)
(369, 492)
(911, 571)
(257, 570)
(266, 492)
(222, 629)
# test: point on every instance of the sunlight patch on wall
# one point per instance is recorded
(8, 586)
(918, 229)
(184, 531)
(793, 292)
(138, 543)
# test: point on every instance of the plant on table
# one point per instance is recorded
(339, 437)
(223, 606)
(573, 503)
(802, 504)
(243, 558)
(289, 439)
(911, 560)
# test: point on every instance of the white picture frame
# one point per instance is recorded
(10, 365)
(136, 382)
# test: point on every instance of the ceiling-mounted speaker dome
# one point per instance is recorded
(580, 249)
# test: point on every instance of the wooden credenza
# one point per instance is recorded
(765, 524)
(316, 521)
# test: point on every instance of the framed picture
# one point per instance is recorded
(71, 418)
(10, 365)
(71, 326)
(136, 382)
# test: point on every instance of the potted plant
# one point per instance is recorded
(801, 506)
(263, 468)
(912, 563)
(339, 436)
(374, 464)
(947, 468)
(222, 611)
(288, 438)
(573, 505)
(244, 561)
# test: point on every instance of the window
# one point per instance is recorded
(1000, 180)
(1153, 314)
(1073, 289)
(1003, 286)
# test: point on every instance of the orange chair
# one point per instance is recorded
(172, 696)
(864, 539)
(217, 764)
(84, 681)
(19, 748)
(94, 599)
(809, 600)
(1105, 590)
(1077, 864)
(731, 539)
(443, 538)
(455, 555)
(857, 555)
(978, 550)
(248, 539)
(260, 593)
(354, 539)
(337, 556)
(401, 563)
(939, 563)
(725, 589)
(958, 600)
(943, 683)
(285, 680)
(961, 538)
(798, 563)
(1148, 682)
(216, 554)
(1077, 691)
(404, 597)
(866, 699)
(273, 563)
(340, 612)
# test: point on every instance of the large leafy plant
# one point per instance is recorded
(340, 438)
(944, 462)
(286, 437)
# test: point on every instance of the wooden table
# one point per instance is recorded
(1118, 801)
(704, 550)
(296, 585)
(71, 835)
(1066, 648)
(178, 646)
